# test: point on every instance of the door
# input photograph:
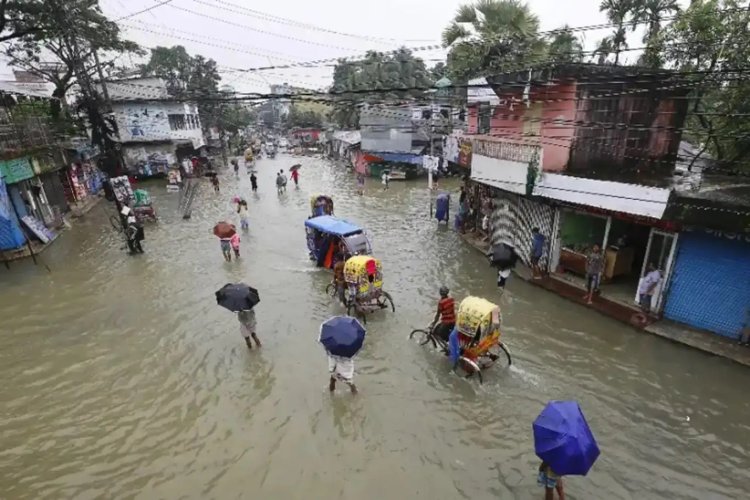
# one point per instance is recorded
(659, 251)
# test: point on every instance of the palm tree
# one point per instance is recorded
(487, 34)
(617, 13)
(565, 46)
(652, 12)
(603, 50)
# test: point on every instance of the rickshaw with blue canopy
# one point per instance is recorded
(327, 236)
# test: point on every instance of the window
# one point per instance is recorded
(176, 122)
(485, 113)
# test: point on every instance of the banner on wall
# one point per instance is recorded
(465, 151)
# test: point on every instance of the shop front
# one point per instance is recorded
(512, 220)
(27, 197)
(629, 243)
(710, 285)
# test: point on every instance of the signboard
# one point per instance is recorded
(40, 230)
(430, 162)
(465, 149)
(16, 170)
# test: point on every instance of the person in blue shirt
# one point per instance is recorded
(537, 250)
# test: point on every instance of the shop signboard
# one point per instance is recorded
(16, 170)
(465, 149)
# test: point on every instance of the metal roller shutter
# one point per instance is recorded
(710, 287)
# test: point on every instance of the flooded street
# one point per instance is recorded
(122, 378)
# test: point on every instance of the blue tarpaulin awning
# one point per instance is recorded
(332, 225)
(414, 159)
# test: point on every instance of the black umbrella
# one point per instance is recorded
(237, 297)
(503, 256)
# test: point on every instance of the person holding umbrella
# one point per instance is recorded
(224, 231)
(295, 174)
(564, 442)
(342, 337)
(241, 298)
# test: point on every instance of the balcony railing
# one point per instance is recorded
(505, 149)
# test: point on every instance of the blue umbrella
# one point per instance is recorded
(342, 336)
(562, 438)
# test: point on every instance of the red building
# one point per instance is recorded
(586, 153)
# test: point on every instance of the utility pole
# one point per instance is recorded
(100, 72)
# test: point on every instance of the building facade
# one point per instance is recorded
(593, 156)
(155, 130)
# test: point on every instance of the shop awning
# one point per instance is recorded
(413, 159)
(633, 199)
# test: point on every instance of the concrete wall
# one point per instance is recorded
(149, 121)
(547, 121)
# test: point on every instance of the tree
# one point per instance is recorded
(173, 64)
(652, 12)
(82, 29)
(438, 71)
(19, 18)
(710, 41)
(603, 50)
(565, 46)
(193, 77)
(490, 35)
(617, 12)
(303, 119)
(378, 77)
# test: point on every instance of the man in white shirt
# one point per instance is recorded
(648, 286)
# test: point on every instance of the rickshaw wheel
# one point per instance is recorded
(423, 337)
(331, 290)
(495, 353)
(383, 303)
(469, 368)
(358, 313)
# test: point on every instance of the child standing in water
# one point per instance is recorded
(226, 248)
(254, 182)
(234, 241)
(244, 218)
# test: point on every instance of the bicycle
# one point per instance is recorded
(468, 364)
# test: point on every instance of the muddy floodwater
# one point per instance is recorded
(121, 378)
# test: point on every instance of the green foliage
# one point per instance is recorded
(193, 77)
(235, 117)
(395, 76)
(19, 18)
(652, 12)
(303, 119)
(565, 46)
(711, 36)
(618, 13)
(69, 30)
(491, 36)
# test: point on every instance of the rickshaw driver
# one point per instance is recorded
(446, 314)
(338, 277)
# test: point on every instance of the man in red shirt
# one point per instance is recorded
(295, 176)
(446, 314)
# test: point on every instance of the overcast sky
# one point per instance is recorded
(281, 32)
